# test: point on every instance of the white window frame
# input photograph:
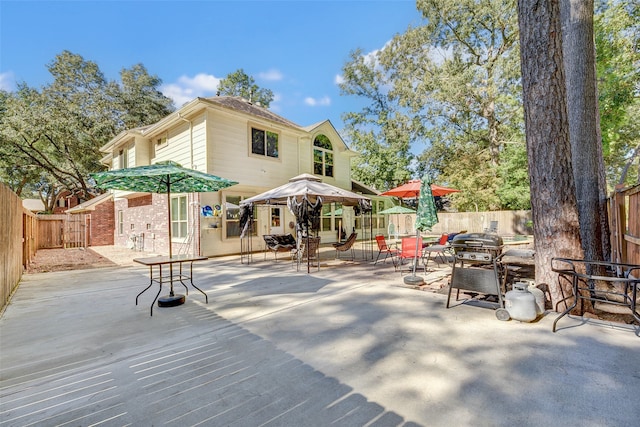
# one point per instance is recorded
(323, 151)
(123, 158)
(177, 218)
(120, 222)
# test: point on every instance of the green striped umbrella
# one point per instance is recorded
(426, 218)
(427, 215)
(162, 178)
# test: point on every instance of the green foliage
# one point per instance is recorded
(381, 133)
(54, 135)
(140, 101)
(454, 81)
(239, 83)
(617, 31)
(514, 190)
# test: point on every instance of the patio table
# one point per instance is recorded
(181, 275)
(622, 279)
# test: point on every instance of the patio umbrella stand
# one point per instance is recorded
(427, 214)
(162, 178)
(426, 218)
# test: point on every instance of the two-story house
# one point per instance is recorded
(235, 139)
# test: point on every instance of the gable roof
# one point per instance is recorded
(34, 205)
(240, 104)
(359, 187)
(90, 205)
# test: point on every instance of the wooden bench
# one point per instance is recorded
(278, 243)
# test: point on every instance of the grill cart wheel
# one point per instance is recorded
(503, 314)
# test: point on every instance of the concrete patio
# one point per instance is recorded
(350, 345)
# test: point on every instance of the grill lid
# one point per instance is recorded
(477, 241)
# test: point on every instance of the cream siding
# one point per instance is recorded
(142, 152)
(217, 140)
(178, 148)
(199, 134)
(229, 152)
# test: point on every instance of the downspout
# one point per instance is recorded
(298, 152)
(195, 243)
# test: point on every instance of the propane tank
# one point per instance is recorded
(539, 295)
(520, 303)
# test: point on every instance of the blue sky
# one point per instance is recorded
(295, 48)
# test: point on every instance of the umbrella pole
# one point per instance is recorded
(170, 300)
(415, 260)
(413, 279)
(169, 221)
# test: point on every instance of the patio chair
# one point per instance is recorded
(493, 227)
(392, 231)
(388, 252)
(441, 250)
(308, 251)
(408, 252)
(278, 243)
(345, 246)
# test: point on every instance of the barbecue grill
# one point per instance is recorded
(476, 268)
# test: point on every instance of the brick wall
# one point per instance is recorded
(102, 224)
(146, 216)
(141, 201)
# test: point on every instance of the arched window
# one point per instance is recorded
(322, 156)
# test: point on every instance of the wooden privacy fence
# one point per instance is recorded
(509, 223)
(624, 220)
(62, 231)
(17, 241)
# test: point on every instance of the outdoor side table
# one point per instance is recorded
(161, 276)
(623, 281)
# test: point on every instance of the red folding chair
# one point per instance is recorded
(408, 252)
(388, 252)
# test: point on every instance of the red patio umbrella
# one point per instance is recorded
(411, 190)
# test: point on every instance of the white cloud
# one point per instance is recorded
(322, 102)
(7, 81)
(339, 79)
(272, 75)
(187, 88)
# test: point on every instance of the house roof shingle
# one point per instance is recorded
(240, 104)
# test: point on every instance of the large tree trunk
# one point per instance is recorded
(586, 146)
(553, 200)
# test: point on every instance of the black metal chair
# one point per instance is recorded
(441, 250)
(347, 245)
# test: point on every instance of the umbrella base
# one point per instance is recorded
(171, 300)
(413, 280)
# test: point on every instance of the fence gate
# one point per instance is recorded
(75, 231)
(62, 231)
